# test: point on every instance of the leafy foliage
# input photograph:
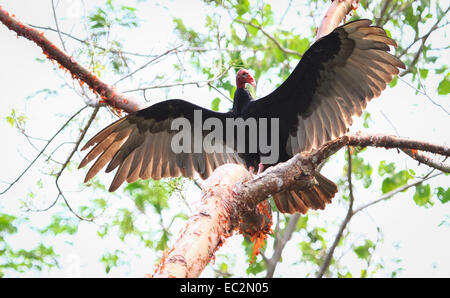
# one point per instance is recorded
(21, 260)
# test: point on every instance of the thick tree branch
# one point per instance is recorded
(230, 192)
(107, 93)
(335, 14)
(213, 221)
(297, 170)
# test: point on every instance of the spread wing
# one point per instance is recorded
(139, 145)
(335, 79)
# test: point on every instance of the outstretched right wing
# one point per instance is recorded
(140, 145)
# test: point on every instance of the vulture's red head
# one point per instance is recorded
(243, 77)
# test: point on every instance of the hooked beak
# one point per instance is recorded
(252, 82)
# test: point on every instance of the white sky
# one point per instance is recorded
(423, 246)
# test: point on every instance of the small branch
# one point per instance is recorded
(351, 212)
(86, 42)
(436, 164)
(42, 151)
(383, 10)
(273, 39)
(281, 243)
(396, 191)
(57, 26)
(348, 217)
(423, 92)
(69, 158)
(147, 64)
(199, 84)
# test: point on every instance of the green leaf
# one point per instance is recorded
(302, 223)
(361, 170)
(242, 7)
(395, 181)
(394, 81)
(345, 275)
(162, 243)
(441, 70)
(364, 251)
(386, 168)
(367, 119)
(444, 85)
(424, 73)
(443, 194)
(422, 195)
(10, 120)
(111, 259)
(215, 104)
(61, 225)
(6, 224)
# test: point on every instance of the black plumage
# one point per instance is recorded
(333, 81)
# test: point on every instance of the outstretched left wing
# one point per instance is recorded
(335, 79)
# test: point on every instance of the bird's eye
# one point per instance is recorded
(245, 75)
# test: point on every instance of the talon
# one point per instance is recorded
(260, 168)
(251, 169)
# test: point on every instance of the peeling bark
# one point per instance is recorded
(213, 221)
(337, 11)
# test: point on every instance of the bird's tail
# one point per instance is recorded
(316, 197)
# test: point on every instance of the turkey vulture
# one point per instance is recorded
(335, 79)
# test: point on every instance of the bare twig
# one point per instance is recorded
(382, 12)
(348, 216)
(57, 26)
(147, 64)
(273, 39)
(199, 84)
(396, 191)
(425, 94)
(281, 243)
(69, 158)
